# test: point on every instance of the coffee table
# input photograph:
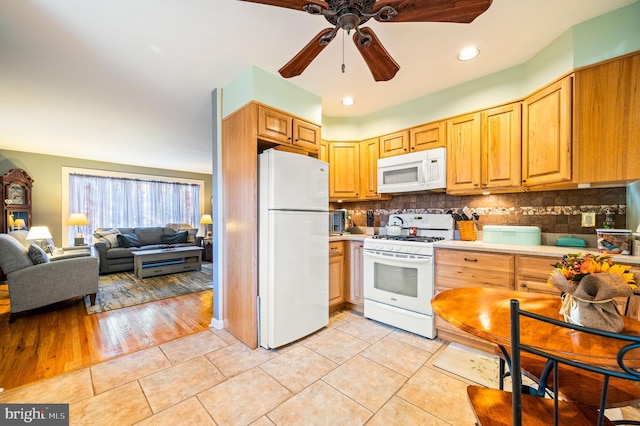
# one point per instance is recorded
(150, 263)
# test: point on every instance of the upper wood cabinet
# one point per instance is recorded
(483, 150)
(394, 144)
(463, 153)
(546, 134)
(607, 121)
(344, 170)
(427, 136)
(323, 154)
(369, 153)
(280, 127)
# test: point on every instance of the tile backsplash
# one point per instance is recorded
(556, 212)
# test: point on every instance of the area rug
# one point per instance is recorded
(469, 363)
(124, 289)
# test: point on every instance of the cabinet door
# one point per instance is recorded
(428, 136)
(369, 151)
(607, 121)
(336, 274)
(356, 273)
(546, 134)
(394, 144)
(532, 274)
(323, 153)
(344, 173)
(463, 153)
(501, 147)
(306, 135)
(274, 125)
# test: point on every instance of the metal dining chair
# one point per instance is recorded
(499, 407)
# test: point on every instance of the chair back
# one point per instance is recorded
(628, 344)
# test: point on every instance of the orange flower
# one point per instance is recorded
(574, 267)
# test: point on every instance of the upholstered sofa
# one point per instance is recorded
(115, 246)
(35, 280)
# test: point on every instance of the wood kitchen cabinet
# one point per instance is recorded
(427, 136)
(394, 144)
(344, 170)
(280, 127)
(546, 134)
(355, 293)
(369, 154)
(323, 154)
(607, 121)
(484, 150)
(466, 268)
(336, 275)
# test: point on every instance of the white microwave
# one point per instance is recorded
(418, 171)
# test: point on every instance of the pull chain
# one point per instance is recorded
(344, 67)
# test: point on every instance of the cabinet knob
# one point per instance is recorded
(475, 184)
(484, 184)
(523, 285)
(466, 259)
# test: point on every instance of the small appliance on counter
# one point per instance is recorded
(614, 241)
(339, 222)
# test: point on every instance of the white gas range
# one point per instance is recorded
(399, 272)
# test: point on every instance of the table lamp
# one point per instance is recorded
(78, 219)
(40, 234)
(206, 221)
(19, 224)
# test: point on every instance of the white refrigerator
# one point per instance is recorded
(293, 247)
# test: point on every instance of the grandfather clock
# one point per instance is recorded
(16, 200)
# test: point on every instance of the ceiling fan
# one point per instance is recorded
(351, 14)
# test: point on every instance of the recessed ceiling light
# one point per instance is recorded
(468, 53)
(348, 100)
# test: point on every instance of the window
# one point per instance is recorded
(112, 200)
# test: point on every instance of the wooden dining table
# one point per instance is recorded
(485, 313)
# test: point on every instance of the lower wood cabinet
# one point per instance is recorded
(355, 292)
(336, 275)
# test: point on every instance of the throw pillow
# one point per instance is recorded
(37, 255)
(177, 238)
(107, 236)
(128, 240)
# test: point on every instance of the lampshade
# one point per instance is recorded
(38, 233)
(19, 223)
(10, 220)
(78, 219)
(206, 219)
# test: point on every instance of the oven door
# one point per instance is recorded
(398, 279)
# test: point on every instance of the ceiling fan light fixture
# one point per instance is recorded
(468, 53)
(347, 101)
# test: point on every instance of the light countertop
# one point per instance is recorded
(348, 237)
(543, 250)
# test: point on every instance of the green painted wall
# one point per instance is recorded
(255, 84)
(46, 172)
(604, 37)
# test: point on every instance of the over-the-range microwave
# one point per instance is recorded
(417, 171)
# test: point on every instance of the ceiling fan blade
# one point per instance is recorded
(461, 11)
(308, 53)
(291, 4)
(380, 63)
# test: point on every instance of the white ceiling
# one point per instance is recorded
(129, 81)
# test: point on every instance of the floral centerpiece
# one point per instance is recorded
(589, 283)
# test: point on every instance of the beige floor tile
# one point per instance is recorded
(65, 389)
(366, 329)
(238, 358)
(172, 385)
(320, 404)
(192, 346)
(189, 412)
(396, 355)
(337, 346)
(244, 398)
(119, 371)
(225, 335)
(429, 345)
(125, 405)
(298, 368)
(263, 421)
(440, 395)
(398, 412)
(367, 382)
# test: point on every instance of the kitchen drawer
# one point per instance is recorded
(532, 274)
(336, 248)
(464, 268)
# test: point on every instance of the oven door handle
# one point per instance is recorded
(421, 259)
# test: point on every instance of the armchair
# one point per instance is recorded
(32, 285)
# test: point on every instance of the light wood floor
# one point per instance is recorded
(63, 338)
